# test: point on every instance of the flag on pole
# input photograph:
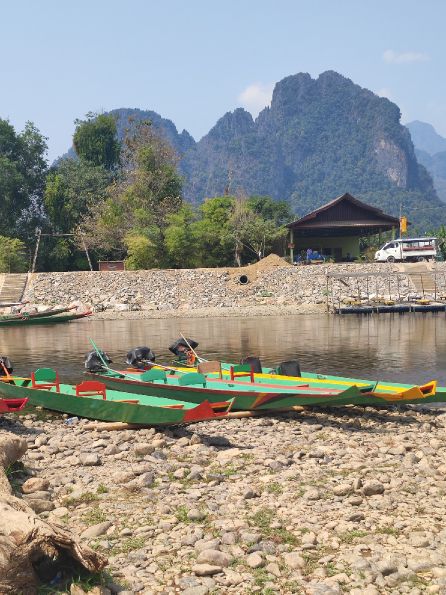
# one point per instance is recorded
(403, 224)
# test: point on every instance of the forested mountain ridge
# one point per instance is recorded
(430, 149)
(318, 139)
(426, 138)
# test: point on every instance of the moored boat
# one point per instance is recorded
(255, 393)
(12, 405)
(27, 320)
(93, 400)
(42, 314)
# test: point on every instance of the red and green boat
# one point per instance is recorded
(255, 393)
(91, 399)
(12, 405)
(48, 319)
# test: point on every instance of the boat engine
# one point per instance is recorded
(141, 358)
(93, 363)
(289, 368)
(254, 362)
(183, 351)
(5, 364)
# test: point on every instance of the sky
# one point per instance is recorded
(193, 60)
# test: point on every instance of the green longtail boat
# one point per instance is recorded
(432, 392)
(30, 315)
(91, 399)
(49, 319)
(261, 394)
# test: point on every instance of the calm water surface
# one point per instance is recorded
(410, 348)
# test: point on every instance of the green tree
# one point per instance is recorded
(12, 255)
(71, 188)
(141, 252)
(95, 141)
(142, 198)
(22, 177)
(180, 239)
(212, 233)
(272, 210)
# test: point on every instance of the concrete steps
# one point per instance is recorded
(13, 288)
(420, 275)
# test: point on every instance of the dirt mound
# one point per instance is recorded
(252, 270)
(271, 261)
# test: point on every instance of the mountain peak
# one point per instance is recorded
(426, 138)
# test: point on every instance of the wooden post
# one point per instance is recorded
(292, 245)
(326, 290)
(86, 250)
(38, 234)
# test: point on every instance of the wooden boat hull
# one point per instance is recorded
(44, 320)
(12, 405)
(146, 411)
(393, 393)
(43, 314)
(368, 393)
(245, 396)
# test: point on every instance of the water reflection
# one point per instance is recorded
(409, 348)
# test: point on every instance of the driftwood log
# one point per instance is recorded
(27, 542)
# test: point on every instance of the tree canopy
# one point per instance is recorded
(95, 140)
(22, 178)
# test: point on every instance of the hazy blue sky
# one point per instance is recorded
(193, 60)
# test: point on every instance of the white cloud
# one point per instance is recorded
(392, 57)
(385, 92)
(256, 96)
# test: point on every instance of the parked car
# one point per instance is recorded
(408, 249)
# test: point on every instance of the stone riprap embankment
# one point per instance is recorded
(321, 502)
(271, 285)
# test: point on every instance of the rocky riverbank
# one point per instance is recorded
(271, 286)
(321, 502)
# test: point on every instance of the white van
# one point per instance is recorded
(408, 249)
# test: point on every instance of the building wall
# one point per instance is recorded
(347, 245)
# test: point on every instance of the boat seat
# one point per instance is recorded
(45, 379)
(242, 370)
(210, 368)
(192, 378)
(91, 388)
(152, 375)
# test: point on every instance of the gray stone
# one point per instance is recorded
(255, 560)
(40, 505)
(294, 560)
(89, 459)
(96, 530)
(195, 515)
(206, 569)
(214, 558)
(342, 489)
(143, 449)
(35, 484)
(200, 590)
(373, 488)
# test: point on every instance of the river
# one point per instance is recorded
(409, 348)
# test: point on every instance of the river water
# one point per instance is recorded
(409, 348)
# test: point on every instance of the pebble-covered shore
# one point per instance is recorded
(318, 502)
(270, 286)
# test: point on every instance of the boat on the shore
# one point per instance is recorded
(245, 396)
(12, 405)
(42, 314)
(92, 400)
(48, 319)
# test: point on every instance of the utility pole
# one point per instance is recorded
(38, 234)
